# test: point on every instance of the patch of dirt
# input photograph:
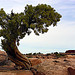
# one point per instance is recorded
(48, 66)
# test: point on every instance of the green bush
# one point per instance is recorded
(29, 54)
(58, 54)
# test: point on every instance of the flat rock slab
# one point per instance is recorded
(35, 61)
(24, 72)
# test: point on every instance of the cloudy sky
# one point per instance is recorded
(59, 38)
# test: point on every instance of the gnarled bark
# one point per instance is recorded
(18, 58)
(15, 56)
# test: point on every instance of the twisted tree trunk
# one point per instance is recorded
(15, 56)
(18, 58)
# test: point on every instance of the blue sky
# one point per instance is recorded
(59, 38)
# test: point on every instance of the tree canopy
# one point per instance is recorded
(38, 18)
(15, 26)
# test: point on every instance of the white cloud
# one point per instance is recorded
(38, 1)
(18, 5)
(61, 36)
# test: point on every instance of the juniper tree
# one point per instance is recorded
(15, 26)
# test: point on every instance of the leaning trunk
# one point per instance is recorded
(15, 56)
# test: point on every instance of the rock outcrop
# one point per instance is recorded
(3, 58)
(9, 64)
(71, 71)
(51, 66)
(5, 63)
(35, 61)
(70, 51)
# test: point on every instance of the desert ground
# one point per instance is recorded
(48, 64)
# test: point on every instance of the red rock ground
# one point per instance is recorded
(49, 66)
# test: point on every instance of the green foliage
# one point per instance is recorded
(59, 54)
(29, 54)
(56, 53)
(15, 26)
(48, 54)
(34, 53)
(37, 53)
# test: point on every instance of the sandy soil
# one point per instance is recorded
(20, 72)
(50, 66)
(56, 66)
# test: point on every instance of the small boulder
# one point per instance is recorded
(71, 71)
(35, 61)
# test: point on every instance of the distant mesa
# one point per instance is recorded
(70, 51)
